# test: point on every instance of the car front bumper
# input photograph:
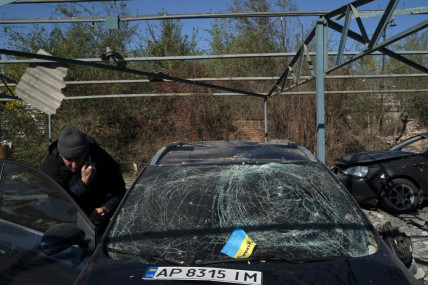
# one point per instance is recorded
(365, 190)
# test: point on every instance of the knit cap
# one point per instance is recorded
(72, 143)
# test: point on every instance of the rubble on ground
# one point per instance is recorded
(414, 225)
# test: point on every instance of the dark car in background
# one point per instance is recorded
(241, 213)
(38, 223)
(396, 178)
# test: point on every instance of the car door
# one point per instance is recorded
(30, 203)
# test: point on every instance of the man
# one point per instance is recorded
(90, 175)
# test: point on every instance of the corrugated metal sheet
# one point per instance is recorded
(41, 85)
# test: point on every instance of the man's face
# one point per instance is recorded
(74, 164)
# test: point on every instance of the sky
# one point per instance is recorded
(194, 6)
(150, 7)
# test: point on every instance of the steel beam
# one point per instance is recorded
(414, 29)
(383, 23)
(274, 14)
(336, 13)
(397, 12)
(7, 86)
(300, 64)
(321, 67)
(266, 118)
(117, 96)
(381, 47)
(341, 12)
(5, 78)
(165, 16)
(125, 70)
(208, 57)
(344, 35)
(309, 61)
(285, 77)
(5, 2)
(266, 78)
(56, 1)
(360, 25)
(50, 128)
(405, 60)
(293, 76)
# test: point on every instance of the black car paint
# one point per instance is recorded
(384, 166)
(381, 267)
(378, 268)
(22, 260)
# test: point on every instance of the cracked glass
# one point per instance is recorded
(186, 213)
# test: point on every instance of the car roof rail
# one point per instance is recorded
(309, 154)
(183, 157)
(161, 153)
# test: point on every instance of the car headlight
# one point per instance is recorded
(360, 171)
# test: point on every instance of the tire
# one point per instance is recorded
(400, 244)
(400, 196)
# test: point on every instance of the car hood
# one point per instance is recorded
(379, 268)
(371, 157)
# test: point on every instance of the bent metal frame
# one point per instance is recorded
(292, 76)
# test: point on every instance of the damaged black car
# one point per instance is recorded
(39, 223)
(240, 213)
(396, 178)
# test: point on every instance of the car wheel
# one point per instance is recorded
(399, 243)
(400, 196)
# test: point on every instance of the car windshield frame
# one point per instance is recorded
(168, 241)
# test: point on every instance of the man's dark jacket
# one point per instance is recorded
(107, 187)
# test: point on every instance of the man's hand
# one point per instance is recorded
(99, 215)
(88, 172)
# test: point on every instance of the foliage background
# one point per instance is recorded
(133, 129)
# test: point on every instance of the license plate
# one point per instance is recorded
(204, 274)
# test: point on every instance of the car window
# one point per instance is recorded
(188, 213)
(30, 199)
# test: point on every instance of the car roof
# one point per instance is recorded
(232, 152)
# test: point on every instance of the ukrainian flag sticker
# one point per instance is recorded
(150, 273)
(239, 245)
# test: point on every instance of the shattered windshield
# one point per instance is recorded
(187, 213)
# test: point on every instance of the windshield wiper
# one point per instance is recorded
(322, 259)
(230, 260)
(294, 260)
(152, 256)
(254, 258)
(272, 257)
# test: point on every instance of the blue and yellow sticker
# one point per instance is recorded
(150, 273)
(239, 245)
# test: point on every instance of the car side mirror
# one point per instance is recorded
(60, 237)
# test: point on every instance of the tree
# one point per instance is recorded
(27, 126)
(168, 40)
